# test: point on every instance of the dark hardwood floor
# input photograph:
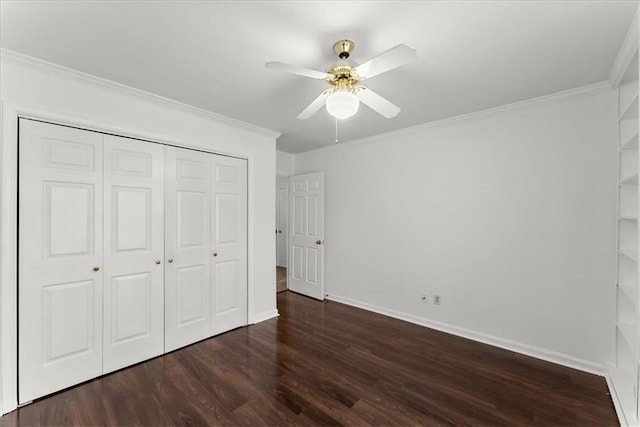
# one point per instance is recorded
(281, 279)
(331, 364)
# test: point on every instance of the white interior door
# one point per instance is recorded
(306, 261)
(282, 225)
(229, 243)
(92, 252)
(134, 249)
(60, 258)
(187, 247)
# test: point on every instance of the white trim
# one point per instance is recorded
(616, 401)
(49, 67)
(250, 246)
(9, 227)
(628, 48)
(9, 257)
(93, 126)
(264, 316)
(2, 251)
(564, 95)
(529, 350)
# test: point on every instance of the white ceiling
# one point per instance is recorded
(472, 55)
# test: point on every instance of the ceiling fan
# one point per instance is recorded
(343, 98)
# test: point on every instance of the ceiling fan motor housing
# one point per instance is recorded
(343, 77)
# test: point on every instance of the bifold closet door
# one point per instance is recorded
(188, 247)
(134, 251)
(60, 258)
(229, 243)
(127, 249)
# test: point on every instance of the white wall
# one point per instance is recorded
(284, 163)
(46, 91)
(510, 217)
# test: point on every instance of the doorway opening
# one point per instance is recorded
(282, 228)
(281, 279)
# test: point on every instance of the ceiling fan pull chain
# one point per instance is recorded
(336, 130)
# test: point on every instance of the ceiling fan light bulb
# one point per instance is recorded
(342, 104)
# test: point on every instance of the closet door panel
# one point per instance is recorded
(229, 236)
(134, 250)
(188, 246)
(128, 249)
(60, 245)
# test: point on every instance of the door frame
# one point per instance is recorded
(9, 116)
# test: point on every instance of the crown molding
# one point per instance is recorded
(9, 55)
(565, 95)
(626, 53)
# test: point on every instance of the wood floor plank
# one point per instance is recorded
(281, 279)
(324, 363)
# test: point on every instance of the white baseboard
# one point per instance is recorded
(539, 353)
(264, 316)
(616, 402)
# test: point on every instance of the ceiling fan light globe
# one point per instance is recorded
(342, 104)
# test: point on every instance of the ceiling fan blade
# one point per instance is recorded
(315, 105)
(377, 103)
(294, 69)
(386, 61)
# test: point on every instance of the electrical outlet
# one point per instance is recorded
(424, 298)
(437, 300)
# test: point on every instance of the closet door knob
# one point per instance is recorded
(157, 261)
(215, 254)
(96, 268)
(170, 260)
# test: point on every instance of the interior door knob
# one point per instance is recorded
(157, 261)
(215, 254)
(96, 268)
(170, 260)
(319, 242)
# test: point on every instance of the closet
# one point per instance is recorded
(127, 249)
